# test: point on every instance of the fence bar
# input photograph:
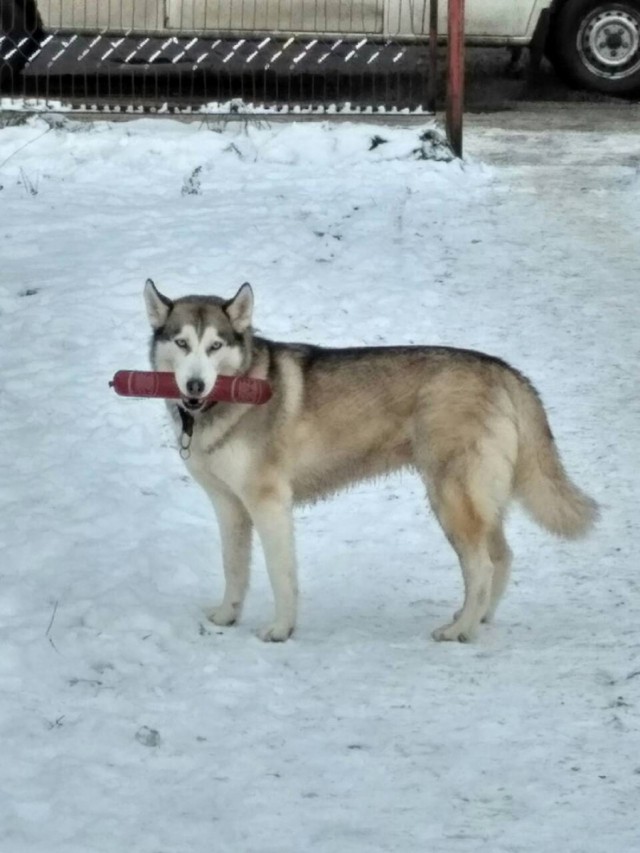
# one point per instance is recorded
(433, 56)
(455, 75)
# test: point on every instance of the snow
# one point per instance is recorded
(129, 722)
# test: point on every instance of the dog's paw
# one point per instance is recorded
(223, 615)
(453, 633)
(277, 632)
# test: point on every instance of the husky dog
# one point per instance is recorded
(470, 425)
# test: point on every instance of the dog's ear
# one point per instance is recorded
(240, 308)
(158, 306)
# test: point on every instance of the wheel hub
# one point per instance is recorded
(609, 42)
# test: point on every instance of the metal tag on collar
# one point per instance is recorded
(186, 434)
(185, 446)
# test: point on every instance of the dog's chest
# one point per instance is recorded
(213, 459)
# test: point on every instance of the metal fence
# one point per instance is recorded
(177, 54)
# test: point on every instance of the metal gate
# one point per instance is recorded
(186, 54)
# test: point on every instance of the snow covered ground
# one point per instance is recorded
(128, 722)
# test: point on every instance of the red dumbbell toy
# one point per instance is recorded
(228, 389)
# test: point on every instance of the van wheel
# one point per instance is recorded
(20, 36)
(595, 44)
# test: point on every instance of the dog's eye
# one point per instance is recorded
(214, 346)
(181, 343)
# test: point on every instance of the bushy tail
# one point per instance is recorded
(542, 484)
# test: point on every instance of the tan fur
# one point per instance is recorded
(471, 426)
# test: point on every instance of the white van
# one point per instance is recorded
(592, 43)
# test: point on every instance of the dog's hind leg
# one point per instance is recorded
(465, 449)
(469, 492)
(500, 554)
(468, 533)
(501, 558)
(235, 534)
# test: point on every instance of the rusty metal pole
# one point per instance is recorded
(433, 57)
(455, 75)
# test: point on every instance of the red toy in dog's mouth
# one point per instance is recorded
(228, 389)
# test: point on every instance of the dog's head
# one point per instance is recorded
(198, 338)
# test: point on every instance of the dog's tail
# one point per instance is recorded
(541, 483)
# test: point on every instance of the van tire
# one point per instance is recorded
(595, 44)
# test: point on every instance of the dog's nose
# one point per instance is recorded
(195, 387)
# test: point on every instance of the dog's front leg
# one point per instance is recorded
(272, 516)
(235, 534)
